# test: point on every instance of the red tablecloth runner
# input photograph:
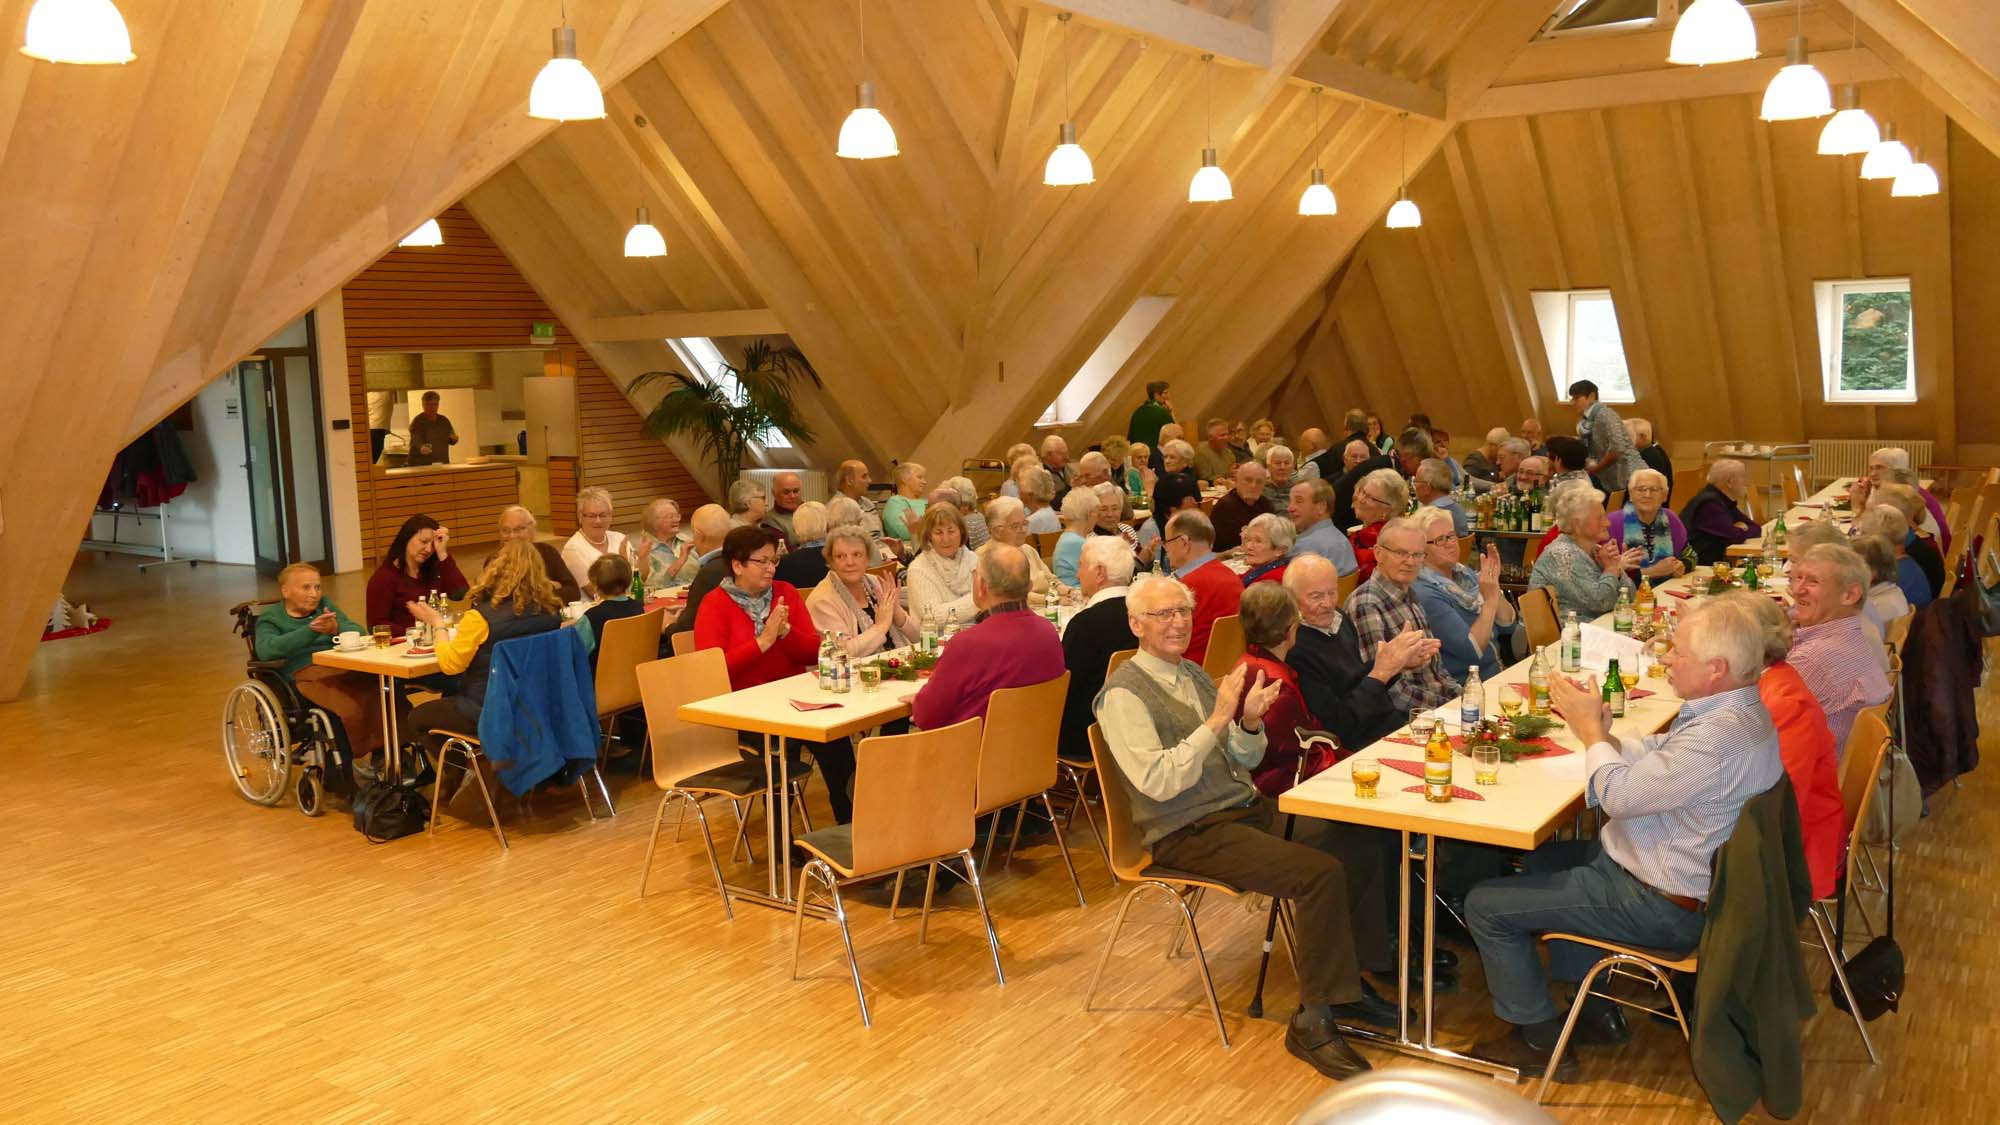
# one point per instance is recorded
(1416, 769)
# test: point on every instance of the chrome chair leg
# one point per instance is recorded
(847, 941)
(896, 894)
(992, 830)
(680, 822)
(437, 790)
(1111, 939)
(1062, 847)
(799, 802)
(653, 841)
(1083, 803)
(930, 892)
(742, 843)
(1014, 841)
(583, 790)
(486, 794)
(1188, 906)
(1192, 903)
(799, 919)
(1818, 912)
(1610, 961)
(714, 861)
(610, 806)
(979, 894)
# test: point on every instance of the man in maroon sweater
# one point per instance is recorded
(1237, 507)
(1008, 646)
(1190, 546)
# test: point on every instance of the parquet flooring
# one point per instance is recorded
(174, 953)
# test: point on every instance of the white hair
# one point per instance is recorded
(1079, 506)
(1109, 493)
(1731, 634)
(513, 510)
(1401, 523)
(1654, 475)
(1391, 482)
(907, 471)
(1275, 452)
(1519, 447)
(1179, 450)
(1724, 469)
(809, 522)
(1572, 502)
(1430, 515)
(963, 489)
(1847, 568)
(658, 508)
(1111, 553)
(1277, 529)
(1092, 462)
(585, 497)
(1156, 591)
(1500, 435)
(1435, 473)
(741, 493)
(1001, 507)
(1893, 457)
(843, 511)
(1054, 441)
(1638, 426)
(1883, 519)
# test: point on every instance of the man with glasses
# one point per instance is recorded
(1190, 547)
(518, 523)
(1347, 694)
(1183, 746)
(1385, 606)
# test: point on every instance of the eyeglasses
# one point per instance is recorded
(1441, 540)
(1177, 613)
(1394, 553)
(1175, 539)
(762, 560)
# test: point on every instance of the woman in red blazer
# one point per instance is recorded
(765, 634)
(1270, 622)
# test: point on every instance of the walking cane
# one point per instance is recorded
(1307, 740)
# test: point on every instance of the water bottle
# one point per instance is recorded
(950, 625)
(1572, 643)
(1472, 706)
(928, 639)
(843, 672)
(826, 650)
(1622, 614)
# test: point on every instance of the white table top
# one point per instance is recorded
(767, 708)
(393, 662)
(1814, 507)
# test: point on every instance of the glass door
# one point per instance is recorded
(258, 394)
(286, 459)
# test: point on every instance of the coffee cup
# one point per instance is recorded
(350, 640)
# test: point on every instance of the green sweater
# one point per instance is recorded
(1146, 422)
(280, 636)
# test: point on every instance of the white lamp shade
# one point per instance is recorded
(1713, 31)
(1798, 91)
(1069, 165)
(644, 239)
(1919, 179)
(1403, 215)
(1850, 131)
(1887, 159)
(426, 235)
(866, 134)
(565, 90)
(1318, 199)
(1210, 183)
(85, 32)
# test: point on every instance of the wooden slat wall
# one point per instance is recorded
(466, 294)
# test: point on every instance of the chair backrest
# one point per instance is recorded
(1466, 546)
(1530, 551)
(1861, 761)
(1017, 752)
(1128, 856)
(1045, 542)
(1225, 646)
(627, 643)
(1615, 501)
(913, 795)
(1117, 658)
(1687, 482)
(886, 571)
(683, 749)
(1539, 617)
(1346, 584)
(683, 642)
(1898, 632)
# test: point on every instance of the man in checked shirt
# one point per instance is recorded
(1672, 800)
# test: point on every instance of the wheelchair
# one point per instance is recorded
(269, 729)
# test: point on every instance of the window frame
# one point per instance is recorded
(1555, 314)
(1829, 308)
(687, 349)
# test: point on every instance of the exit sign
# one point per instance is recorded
(542, 333)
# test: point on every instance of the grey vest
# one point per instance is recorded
(1223, 784)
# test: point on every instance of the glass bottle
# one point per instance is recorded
(1437, 766)
(1614, 690)
(1472, 705)
(1622, 613)
(928, 638)
(1572, 643)
(1538, 683)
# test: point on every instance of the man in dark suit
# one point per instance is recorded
(1098, 630)
(1346, 694)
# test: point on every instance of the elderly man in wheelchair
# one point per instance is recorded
(291, 712)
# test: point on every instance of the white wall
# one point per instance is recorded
(343, 500)
(211, 520)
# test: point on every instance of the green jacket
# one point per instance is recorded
(1146, 423)
(1751, 995)
(280, 636)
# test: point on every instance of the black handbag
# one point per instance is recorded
(1876, 973)
(391, 806)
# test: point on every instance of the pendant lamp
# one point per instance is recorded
(1069, 165)
(644, 239)
(1915, 181)
(82, 32)
(1888, 158)
(426, 235)
(565, 90)
(1317, 199)
(1798, 91)
(1403, 214)
(1210, 183)
(1851, 130)
(866, 134)
(1713, 31)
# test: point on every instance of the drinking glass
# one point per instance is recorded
(1486, 764)
(1422, 722)
(1367, 773)
(1512, 699)
(871, 677)
(381, 636)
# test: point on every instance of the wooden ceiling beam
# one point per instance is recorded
(1353, 81)
(1667, 84)
(1948, 49)
(680, 323)
(1173, 24)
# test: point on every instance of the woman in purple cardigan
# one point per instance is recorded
(1647, 523)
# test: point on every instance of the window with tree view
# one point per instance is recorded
(1867, 340)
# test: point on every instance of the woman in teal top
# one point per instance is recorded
(906, 508)
(304, 623)
(1079, 516)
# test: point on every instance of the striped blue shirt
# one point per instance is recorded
(1673, 797)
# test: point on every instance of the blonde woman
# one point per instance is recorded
(907, 506)
(512, 598)
(940, 578)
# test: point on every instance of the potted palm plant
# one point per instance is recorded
(746, 404)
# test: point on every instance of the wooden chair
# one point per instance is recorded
(1080, 770)
(1860, 768)
(913, 800)
(1346, 584)
(1466, 547)
(683, 643)
(1539, 617)
(691, 761)
(1687, 482)
(1225, 646)
(1017, 764)
(1615, 501)
(627, 643)
(1046, 544)
(1134, 864)
(1530, 551)
(887, 571)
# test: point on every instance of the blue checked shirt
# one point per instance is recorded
(1380, 609)
(1673, 797)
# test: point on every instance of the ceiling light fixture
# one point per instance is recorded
(1068, 165)
(565, 90)
(1915, 181)
(866, 134)
(80, 32)
(1210, 183)
(1798, 91)
(644, 239)
(427, 235)
(1317, 199)
(1403, 214)
(1888, 158)
(1713, 31)
(1851, 130)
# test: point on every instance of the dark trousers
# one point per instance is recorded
(834, 760)
(1331, 872)
(375, 440)
(441, 714)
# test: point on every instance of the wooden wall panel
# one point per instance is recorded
(466, 294)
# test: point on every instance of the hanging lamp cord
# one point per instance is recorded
(1065, 45)
(1208, 97)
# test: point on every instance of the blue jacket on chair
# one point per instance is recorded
(541, 709)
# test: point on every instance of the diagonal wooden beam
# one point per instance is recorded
(1666, 84)
(679, 323)
(1948, 49)
(1357, 82)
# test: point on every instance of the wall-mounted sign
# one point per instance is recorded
(542, 334)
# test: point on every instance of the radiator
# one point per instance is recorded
(1848, 457)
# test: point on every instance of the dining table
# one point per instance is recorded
(387, 664)
(1535, 798)
(1828, 503)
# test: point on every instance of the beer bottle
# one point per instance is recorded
(1614, 690)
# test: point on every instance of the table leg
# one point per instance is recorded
(391, 746)
(770, 837)
(1430, 939)
(781, 820)
(1403, 944)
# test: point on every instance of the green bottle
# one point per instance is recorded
(1614, 690)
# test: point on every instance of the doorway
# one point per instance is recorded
(285, 457)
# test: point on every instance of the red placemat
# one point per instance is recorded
(1458, 792)
(1549, 750)
(1416, 769)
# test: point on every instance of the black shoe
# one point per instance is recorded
(1513, 1049)
(1600, 1024)
(1443, 960)
(1319, 1043)
(1372, 1009)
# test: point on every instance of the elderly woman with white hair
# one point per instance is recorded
(1079, 520)
(861, 609)
(1111, 501)
(749, 502)
(961, 494)
(1464, 607)
(1016, 453)
(1283, 466)
(1378, 498)
(906, 508)
(594, 537)
(1007, 518)
(666, 549)
(1267, 546)
(1892, 524)
(805, 564)
(1886, 600)
(1891, 464)
(1584, 570)
(1038, 493)
(1647, 523)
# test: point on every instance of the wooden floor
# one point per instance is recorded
(173, 952)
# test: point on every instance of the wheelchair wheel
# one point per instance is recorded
(256, 745)
(311, 792)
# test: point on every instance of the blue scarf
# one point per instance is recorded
(757, 606)
(1657, 539)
